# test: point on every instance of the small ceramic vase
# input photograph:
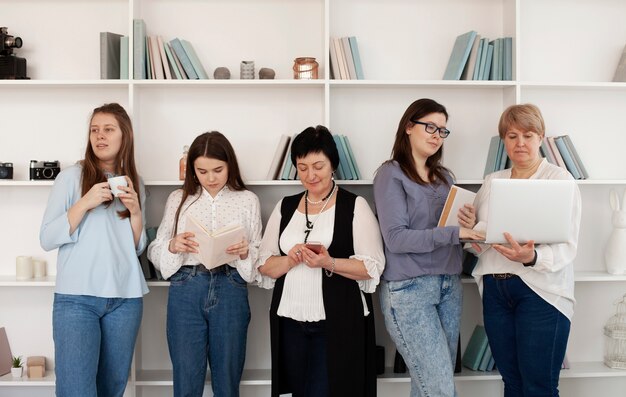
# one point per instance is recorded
(221, 73)
(266, 73)
(247, 70)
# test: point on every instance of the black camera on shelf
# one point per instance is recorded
(42, 170)
(6, 170)
(11, 66)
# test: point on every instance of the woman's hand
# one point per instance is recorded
(516, 252)
(183, 242)
(467, 216)
(470, 234)
(313, 260)
(98, 194)
(129, 198)
(240, 249)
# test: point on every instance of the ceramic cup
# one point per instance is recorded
(115, 182)
(39, 268)
(24, 267)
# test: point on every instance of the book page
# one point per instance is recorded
(457, 198)
(212, 246)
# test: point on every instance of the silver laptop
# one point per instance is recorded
(530, 209)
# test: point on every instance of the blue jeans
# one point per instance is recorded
(303, 356)
(94, 339)
(423, 316)
(207, 319)
(527, 336)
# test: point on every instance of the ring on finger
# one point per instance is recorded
(298, 252)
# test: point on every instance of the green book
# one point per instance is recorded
(352, 158)
(459, 55)
(349, 158)
(124, 58)
(343, 160)
(476, 348)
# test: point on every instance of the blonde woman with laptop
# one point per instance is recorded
(527, 289)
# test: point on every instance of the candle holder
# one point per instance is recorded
(24, 267)
(246, 70)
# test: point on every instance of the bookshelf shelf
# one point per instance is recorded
(469, 84)
(8, 381)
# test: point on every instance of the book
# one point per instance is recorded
(567, 158)
(124, 58)
(177, 46)
(490, 164)
(139, 49)
(483, 59)
(149, 62)
(155, 58)
(171, 61)
(349, 60)
(195, 61)
(555, 152)
(343, 160)
(546, 152)
(495, 61)
(279, 156)
(179, 66)
(352, 158)
(349, 160)
(577, 160)
(334, 62)
(110, 55)
(468, 71)
(479, 56)
(484, 362)
(620, 71)
(163, 56)
(459, 55)
(508, 58)
(343, 67)
(476, 348)
(6, 357)
(457, 197)
(356, 57)
(212, 245)
(488, 61)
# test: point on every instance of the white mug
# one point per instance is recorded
(115, 182)
(24, 267)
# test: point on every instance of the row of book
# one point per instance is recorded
(477, 58)
(345, 60)
(282, 168)
(558, 150)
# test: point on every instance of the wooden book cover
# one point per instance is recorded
(212, 245)
(457, 198)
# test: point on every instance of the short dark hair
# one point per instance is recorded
(315, 140)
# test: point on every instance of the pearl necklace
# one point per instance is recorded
(306, 196)
(309, 223)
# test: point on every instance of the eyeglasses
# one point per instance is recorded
(431, 129)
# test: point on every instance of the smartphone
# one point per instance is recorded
(314, 246)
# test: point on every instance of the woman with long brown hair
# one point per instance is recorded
(98, 301)
(207, 310)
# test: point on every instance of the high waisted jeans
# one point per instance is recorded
(423, 315)
(207, 319)
(94, 339)
(527, 336)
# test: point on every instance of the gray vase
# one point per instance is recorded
(221, 73)
(266, 73)
(247, 70)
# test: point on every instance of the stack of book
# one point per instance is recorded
(558, 150)
(477, 356)
(476, 58)
(345, 61)
(282, 168)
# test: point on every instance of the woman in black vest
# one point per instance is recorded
(321, 317)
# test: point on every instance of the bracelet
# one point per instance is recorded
(332, 268)
(531, 263)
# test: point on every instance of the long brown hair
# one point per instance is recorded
(213, 145)
(125, 160)
(401, 151)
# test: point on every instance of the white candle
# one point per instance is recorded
(39, 268)
(24, 267)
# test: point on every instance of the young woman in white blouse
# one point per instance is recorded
(208, 311)
(321, 318)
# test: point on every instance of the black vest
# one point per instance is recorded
(350, 336)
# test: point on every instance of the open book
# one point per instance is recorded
(212, 245)
(457, 198)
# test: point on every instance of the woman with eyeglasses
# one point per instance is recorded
(421, 289)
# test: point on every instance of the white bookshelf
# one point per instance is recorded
(561, 65)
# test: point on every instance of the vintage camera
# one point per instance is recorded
(11, 66)
(44, 169)
(6, 170)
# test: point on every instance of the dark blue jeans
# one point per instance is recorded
(303, 356)
(527, 336)
(207, 319)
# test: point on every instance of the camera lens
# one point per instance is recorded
(13, 42)
(48, 173)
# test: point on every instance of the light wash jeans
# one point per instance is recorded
(207, 319)
(94, 339)
(527, 335)
(423, 316)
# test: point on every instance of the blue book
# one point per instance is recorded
(495, 61)
(459, 56)
(356, 57)
(499, 155)
(476, 348)
(352, 158)
(546, 152)
(349, 159)
(567, 157)
(490, 164)
(172, 61)
(343, 160)
(508, 58)
(487, 71)
(577, 160)
(492, 364)
(177, 46)
(483, 59)
(124, 58)
(139, 49)
(148, 60)
(479, 57)
(284, 173)
(195, 61)
(484, 362)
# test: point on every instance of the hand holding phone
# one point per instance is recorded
(315, 246)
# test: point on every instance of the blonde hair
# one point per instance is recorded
(526, 117)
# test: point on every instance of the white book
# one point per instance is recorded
(212, 245)
(279, 156)
(457, 198)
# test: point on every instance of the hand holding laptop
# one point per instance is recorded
(515, 252)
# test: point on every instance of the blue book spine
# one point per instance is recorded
(349, 159)
(476, 348)
(459, 56)
(483, 57)
(343, 161)
(193, 58)
(356, 57)
(567, 157)
(490, 164)
(479, 57)
(352, 158)
(487, 71)
(508, 58)
(172, 61)
(177, 46)
(579, 163)
(484, 362)
(124, 58)
(139, 49)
